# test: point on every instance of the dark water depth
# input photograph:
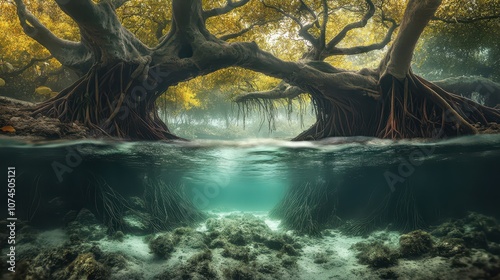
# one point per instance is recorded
(363, 175)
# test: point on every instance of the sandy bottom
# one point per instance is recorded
(237, 245)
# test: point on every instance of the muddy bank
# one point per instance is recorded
(18, 123)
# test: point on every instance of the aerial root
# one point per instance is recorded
(102, 101)
(415, 108)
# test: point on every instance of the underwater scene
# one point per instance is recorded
(340, 208)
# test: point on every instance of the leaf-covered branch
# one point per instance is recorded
(244, 30)
(70, 54)
(303, 27)
(359, 24)
(282, 90)
(364, 49)
(466, 20)
(28, 65)
(118, 3)
(230, 5)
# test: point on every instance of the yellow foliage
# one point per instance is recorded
(16, 47)
(2, 82)
(182, 95)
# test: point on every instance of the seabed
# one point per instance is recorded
(250, 245)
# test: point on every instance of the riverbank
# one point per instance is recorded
(17, 122)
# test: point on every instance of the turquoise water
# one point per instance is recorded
(440, 178)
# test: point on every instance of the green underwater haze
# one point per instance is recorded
(247, 205)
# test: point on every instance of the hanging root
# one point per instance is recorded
(110, 205)
(168, 206)
(339, 114)
(416, 108)
(398, 210)
(307, 208)
(268, 109)
(111, 101)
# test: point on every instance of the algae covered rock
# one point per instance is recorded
(449, 247)
(86, 267)
(238, 253)
(49, 264)
(163, 245)
(376, 254)
(199, 266)
(415, 243)
(86, 227)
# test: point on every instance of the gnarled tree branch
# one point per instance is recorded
(73, 55)
(359, 24)
(118, 3)
(282, 90)
(230, 5)
(22, 69)
(364, 49)
(466, 20)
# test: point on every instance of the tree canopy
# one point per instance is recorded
(327, 36)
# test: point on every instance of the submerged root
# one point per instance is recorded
(307, 207)
(398, 210)
(110, 205)
(168, 206)
(165, 206)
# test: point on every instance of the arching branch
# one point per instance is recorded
(466, 20)
(322, 36)
(282, 90)
(230, 5)
(102, 31)
(82, 11)
(22, 69)
(310, 11)
(244, 30)
(359, 24)
(73, 55)
(118, 3)
(303, 27)
(364, 49)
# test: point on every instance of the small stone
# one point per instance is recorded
(415, 243)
